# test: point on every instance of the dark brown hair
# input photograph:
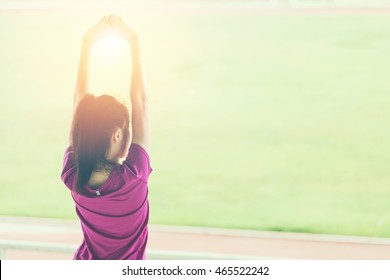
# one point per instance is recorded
(94, 121)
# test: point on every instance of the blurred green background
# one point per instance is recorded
(269, 121)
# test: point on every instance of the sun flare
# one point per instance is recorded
(110, 45)
(110, 65)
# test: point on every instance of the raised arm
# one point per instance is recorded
(139, 100)
(95, 33)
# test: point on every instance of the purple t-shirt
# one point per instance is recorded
(114, 217)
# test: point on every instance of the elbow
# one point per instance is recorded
(144, 99)
(140, 97)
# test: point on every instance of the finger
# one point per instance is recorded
(112, 22)
(116, 21)
(120, 20)
(116, 18)
(113, 18)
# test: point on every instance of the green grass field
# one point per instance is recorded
(259, 121)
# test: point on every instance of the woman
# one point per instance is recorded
(110, 194)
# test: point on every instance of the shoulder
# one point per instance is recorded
(68, 168)
(138, 162)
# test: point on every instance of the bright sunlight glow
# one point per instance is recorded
(110, 45)
(110, 66)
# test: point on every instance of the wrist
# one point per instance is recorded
(132, 38)
(134, 43)
(86, 44)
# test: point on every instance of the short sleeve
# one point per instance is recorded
(138, 162)
(68, 168)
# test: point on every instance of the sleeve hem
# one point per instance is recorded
(143, 151)
(69, 149)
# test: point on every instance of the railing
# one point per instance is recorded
(150, 254)
(34, 246)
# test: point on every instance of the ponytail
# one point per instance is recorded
(83, 140)
(94, 121)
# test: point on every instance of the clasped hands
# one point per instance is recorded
(111, 24)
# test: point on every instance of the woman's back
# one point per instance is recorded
(113, 217)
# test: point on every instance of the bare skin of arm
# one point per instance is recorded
(141, 133)
(94, 34)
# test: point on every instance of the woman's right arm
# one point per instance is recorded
(95, 33)
(82, 81)
(141, 132)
